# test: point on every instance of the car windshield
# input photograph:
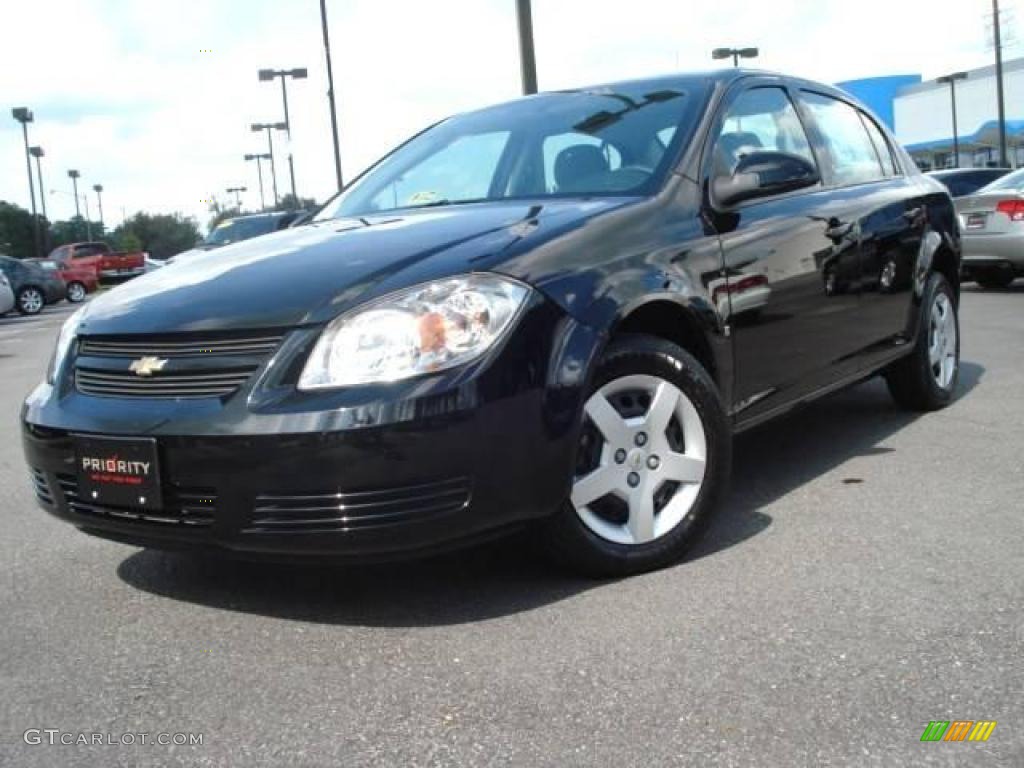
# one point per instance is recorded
(234, 230)
(1013, 182)
(609, 141)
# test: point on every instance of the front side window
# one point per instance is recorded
(760, 120)
(602, 142)
(851, 154)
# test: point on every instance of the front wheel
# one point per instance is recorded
(926, 379)
(652, 462)
(30, 301)
(76, 292)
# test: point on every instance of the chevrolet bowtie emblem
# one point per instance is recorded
(147, 366)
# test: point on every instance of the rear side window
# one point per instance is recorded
(851, 154)
(760, 120)
(881, 145)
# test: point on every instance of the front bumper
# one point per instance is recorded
(444, 461)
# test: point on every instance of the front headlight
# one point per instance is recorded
(64, 339)
(421, 330)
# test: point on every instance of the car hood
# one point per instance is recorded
(311, 274)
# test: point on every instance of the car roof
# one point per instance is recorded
(950, 172)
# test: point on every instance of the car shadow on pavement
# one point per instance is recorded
(511, 575)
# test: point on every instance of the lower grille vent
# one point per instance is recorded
(185, 507)
(339, 511)
(41, 487)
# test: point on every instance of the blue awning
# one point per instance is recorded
(986, 136)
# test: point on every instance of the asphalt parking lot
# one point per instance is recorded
(865, 577)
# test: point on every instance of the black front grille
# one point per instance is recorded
(184, 507)
(41, 486)
(127, 384)
(170, 347)
(180, 366)
(339, 511)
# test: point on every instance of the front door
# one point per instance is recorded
(792, 265)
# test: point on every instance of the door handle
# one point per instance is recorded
(837, 230)
(914, 214)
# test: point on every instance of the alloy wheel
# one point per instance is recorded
(643, 458)
(76, 292)
(31, 301)
(942, 341)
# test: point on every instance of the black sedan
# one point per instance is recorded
(33, 286)
(555, 311)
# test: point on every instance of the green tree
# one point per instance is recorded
(163, 235)
(75, 230)
(289, 203)
(16, 236)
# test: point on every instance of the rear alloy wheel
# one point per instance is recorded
(926, 379)
(30, 301)
(652, 461)
(76, 293)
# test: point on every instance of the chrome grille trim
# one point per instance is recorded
(340, 511)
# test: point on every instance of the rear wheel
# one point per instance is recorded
(652, 462)
(76, 292)
(994, 278)
(927, 378)
(30, 300)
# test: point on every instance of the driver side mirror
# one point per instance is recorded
(763, 174)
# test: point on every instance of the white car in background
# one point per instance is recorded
(6, 296)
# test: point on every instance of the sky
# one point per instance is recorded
(153, 99)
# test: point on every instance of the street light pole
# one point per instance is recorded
(952, 80)
(735, 54)
(24, 116)
(527, 53)
(88, 218)
(37, 153)
(330, 94)
(237, 192)
(299, 73)
(1001, 95)
(75, 175)
(98, 189)
(269, 127)
(259, 173)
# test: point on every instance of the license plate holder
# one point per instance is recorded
(118, 471)
(976, 220)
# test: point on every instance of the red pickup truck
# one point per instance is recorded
(109, 265)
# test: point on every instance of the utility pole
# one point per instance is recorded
(75, 175)
(1004, 161)
(24, 116)
(951, 80)
(98, 189)
(527, 55)
(330, 94)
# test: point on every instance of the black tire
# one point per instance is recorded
(30, 300)
(912, 381)
(994, 279)
(572, 543)
(76, 292)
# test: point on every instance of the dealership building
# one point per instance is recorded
(920, 113)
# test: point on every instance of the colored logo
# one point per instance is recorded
(958, 730)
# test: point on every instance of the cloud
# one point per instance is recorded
(153, 98)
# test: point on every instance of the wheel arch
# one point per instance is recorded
(678, 322)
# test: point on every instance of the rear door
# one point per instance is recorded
(890, 213)
(792, 269)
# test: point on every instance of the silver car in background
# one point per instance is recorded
(992, 223)
(6, 295)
